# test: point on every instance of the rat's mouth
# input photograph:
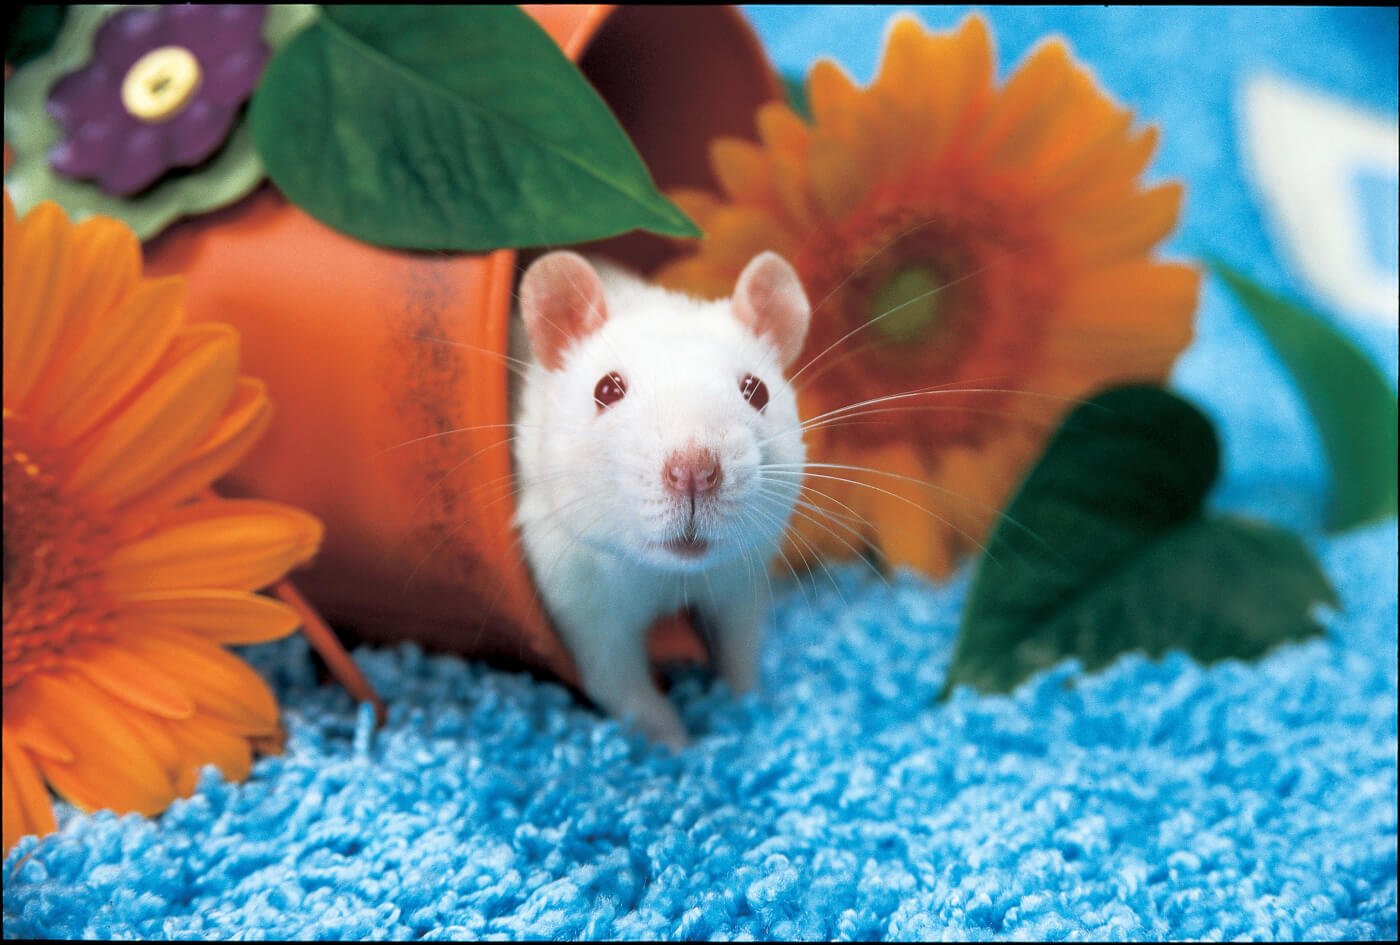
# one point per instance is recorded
(689, 545)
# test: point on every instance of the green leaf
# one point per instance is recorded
(30, 30)
(1349, 399)
(449, 128)
(1105, 550)
(796, 88)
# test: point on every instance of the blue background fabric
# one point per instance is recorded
(1156, 799)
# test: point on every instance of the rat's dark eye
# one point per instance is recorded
(754, 391)
(609, 390)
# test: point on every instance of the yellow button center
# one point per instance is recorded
(161, 83)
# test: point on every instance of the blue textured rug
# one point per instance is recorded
(1152, 800)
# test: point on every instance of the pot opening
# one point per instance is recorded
(676, 77)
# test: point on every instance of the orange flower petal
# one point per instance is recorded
(1081, 118)
(15, 821)
(111, 360)
(798, 207)
(236, 432)
(104, 267)
(967, 89)
(219, 682)
(1083, 153)
(699, 205)
(743, 232)
(238, 544)
(27, 808)
(37, 287)
(925, 82)
(788, 139)
(1035, 92)
(930, 90)
(908, 515)
(909, 541)
(208, 741)
(118, 671)
(1086, 371)
(831, 94)
(782, 129)
(904, 67)
(1097, 186)
(742, 169)
(113, 768)
(226, 617)
(697, 277)
(155, 734)
(1130, 228)
(140, 444)
(1135, 299)
(975, 482)
(29, 729)
(11, 219)
(837, 181)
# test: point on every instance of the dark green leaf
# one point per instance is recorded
(30, 31)
(1349, 399)
(1104, 550)
(796, 90)
(449, 127)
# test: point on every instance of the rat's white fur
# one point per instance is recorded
(594, 513)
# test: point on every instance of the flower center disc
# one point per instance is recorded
(54, 598)
(161, 83)
(907, 305)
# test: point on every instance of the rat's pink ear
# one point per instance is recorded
(561, 301)
(769, 299)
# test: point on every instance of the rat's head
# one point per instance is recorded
(662, 427)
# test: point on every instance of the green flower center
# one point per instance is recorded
(907, 305)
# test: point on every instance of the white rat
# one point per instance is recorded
(644, 423)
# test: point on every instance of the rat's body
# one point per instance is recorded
(643, 425)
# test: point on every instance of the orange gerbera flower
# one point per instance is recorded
(120, 589)
(992, 243)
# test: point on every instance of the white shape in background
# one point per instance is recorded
(1310, 155)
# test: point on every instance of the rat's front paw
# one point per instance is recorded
(657, 719)
(740, 673)
(667, 730)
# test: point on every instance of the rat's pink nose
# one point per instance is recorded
(692, 472)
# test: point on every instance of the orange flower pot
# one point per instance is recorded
(374, 356)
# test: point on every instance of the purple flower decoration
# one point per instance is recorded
(163, 90)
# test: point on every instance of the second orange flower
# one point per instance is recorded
(979, 255)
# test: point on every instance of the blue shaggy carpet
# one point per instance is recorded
(1155, 799)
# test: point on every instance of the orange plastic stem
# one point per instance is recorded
(325, 642)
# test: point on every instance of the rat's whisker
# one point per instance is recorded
(820, 558)
(775, 520)
(896, 308)
(441, 433)
(812, 378)
(516, 365)
(867, 261)
(942, 391)
(894, 495)
(830, 498)
(860, 416)
(764, 564)
(996, 512)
